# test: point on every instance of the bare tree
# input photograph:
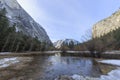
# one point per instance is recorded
(17, 48)
(95, 46)
(13, 44)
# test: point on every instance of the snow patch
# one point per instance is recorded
(113, 75)
(5, 52)
(112, 62)
(8, 61)
(77, 77)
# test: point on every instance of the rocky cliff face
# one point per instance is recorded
(107, 25)
(58, 44)
(23, 21)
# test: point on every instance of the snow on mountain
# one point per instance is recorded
(23, 21)
(58, 44)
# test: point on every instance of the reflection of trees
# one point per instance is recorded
(66, 61)
(38, 66)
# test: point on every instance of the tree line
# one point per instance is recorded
(96, 46)
(108, 42)
(12, 41)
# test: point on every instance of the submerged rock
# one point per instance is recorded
(64, 77)
(75, 77)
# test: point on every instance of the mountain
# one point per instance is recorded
(107, 25)
(23, 21)
(66, 42)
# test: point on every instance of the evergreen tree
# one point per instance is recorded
(10, 40)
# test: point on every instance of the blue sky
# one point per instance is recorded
(69, 18)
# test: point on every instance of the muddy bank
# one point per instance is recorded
(106, 55)
(13, 66)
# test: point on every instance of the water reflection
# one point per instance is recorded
(50, 67)
(73, 65)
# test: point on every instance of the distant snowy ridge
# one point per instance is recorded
(58, 44)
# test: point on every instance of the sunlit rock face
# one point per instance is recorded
(106, 25)
(23, 21)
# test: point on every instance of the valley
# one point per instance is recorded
(50, 43)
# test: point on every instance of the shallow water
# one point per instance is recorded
(50, 67)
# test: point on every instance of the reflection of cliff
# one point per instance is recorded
(107, 25)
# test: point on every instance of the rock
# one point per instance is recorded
(75, 77)
(64, 77)
(23, 21)
(78, 77)
(106, 25)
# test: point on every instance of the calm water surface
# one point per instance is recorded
(50, 67)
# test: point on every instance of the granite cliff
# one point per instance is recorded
(107, 25)
(23, 21)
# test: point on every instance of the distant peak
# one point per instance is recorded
(59, 43)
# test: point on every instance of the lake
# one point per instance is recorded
(49, 67)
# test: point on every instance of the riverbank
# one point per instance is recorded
(51, 67)
(46, 67)
(106, 55)
(11, 67)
